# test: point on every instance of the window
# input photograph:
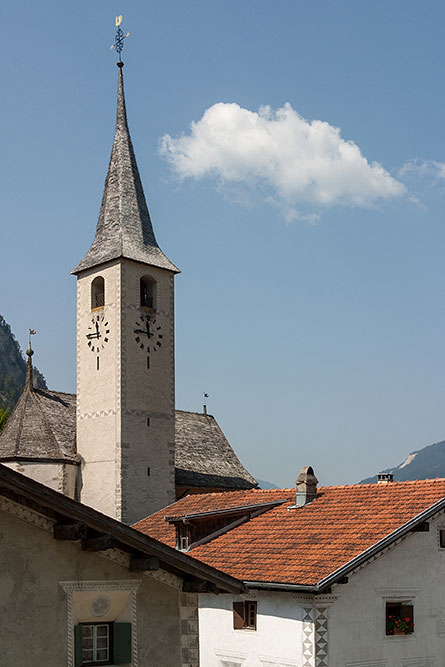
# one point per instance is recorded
(147, 291)
(442, 538)
(96, 643)
(97, 293)
(399, 618)
(102, 644)
(244, 615)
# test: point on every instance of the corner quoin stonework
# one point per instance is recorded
(188, 608)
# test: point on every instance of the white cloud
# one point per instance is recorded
(292, 162)
(429, 169)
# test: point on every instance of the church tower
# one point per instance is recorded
(125, 349)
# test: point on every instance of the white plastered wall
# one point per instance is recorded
(276, 642)
(345, 628)
(412, 570)
(61, 477)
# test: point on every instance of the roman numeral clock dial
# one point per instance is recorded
(98, 334)
(148, 335)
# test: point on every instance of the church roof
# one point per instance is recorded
(204, 457)
(43, 426)
(124, 227)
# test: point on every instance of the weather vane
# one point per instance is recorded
(119, 40)
(31, 333)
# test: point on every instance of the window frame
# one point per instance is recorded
(97, 289)
(147, 292)
(110, 646)
(245, 615)
(403, 609)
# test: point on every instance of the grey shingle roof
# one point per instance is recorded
(204, 457)
(43, 427)
(124, 227)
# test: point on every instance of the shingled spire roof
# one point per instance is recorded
(124, 227)
(42, 426)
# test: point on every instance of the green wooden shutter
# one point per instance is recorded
(122, 643)
(78, 646)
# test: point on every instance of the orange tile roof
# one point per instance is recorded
(304, 545)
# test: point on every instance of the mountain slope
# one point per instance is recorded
(425, 463)
(13, 368)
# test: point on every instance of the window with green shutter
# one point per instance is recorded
(102, 644)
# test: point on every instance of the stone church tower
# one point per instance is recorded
(125, 349)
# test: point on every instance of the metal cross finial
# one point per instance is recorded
(119, 40)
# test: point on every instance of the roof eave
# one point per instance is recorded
(174, 560)
(39, 459)
(386, 541)
(85, 266)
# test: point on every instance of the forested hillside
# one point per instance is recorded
(13, 368)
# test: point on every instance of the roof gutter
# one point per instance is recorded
(270, 585)
(324, 584)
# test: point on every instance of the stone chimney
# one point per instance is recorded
(385, 477)
(306, 486)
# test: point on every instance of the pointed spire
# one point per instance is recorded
(124, 227)
(29, 382)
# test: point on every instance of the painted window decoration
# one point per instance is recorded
(102, 644)
(244, 615)
(442, 538)
(147, 292)
(399, 618)
(98, 293)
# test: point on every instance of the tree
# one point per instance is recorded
(4, 414)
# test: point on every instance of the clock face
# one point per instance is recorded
(148, 334)
(98, 333)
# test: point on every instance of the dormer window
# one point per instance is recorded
(97, 293)
(147, 292)
(195, 529)
(183, 536)
(184, 543)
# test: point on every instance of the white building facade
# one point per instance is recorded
(346, 627)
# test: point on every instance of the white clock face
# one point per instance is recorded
(148, 334)
(98, 333)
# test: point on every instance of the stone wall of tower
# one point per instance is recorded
(125, 410)
(147, 395)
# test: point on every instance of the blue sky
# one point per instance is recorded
(311, 300)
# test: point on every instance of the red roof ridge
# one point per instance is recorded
(384, 485)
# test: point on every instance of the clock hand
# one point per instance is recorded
(93, 335)
(141, 331)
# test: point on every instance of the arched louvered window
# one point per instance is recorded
(97, 293)
(148, 292)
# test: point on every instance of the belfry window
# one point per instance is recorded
(97, 293)
(148, 292)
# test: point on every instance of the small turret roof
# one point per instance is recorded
(124, 227)
(42, 427)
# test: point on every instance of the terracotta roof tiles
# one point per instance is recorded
(300, 545)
